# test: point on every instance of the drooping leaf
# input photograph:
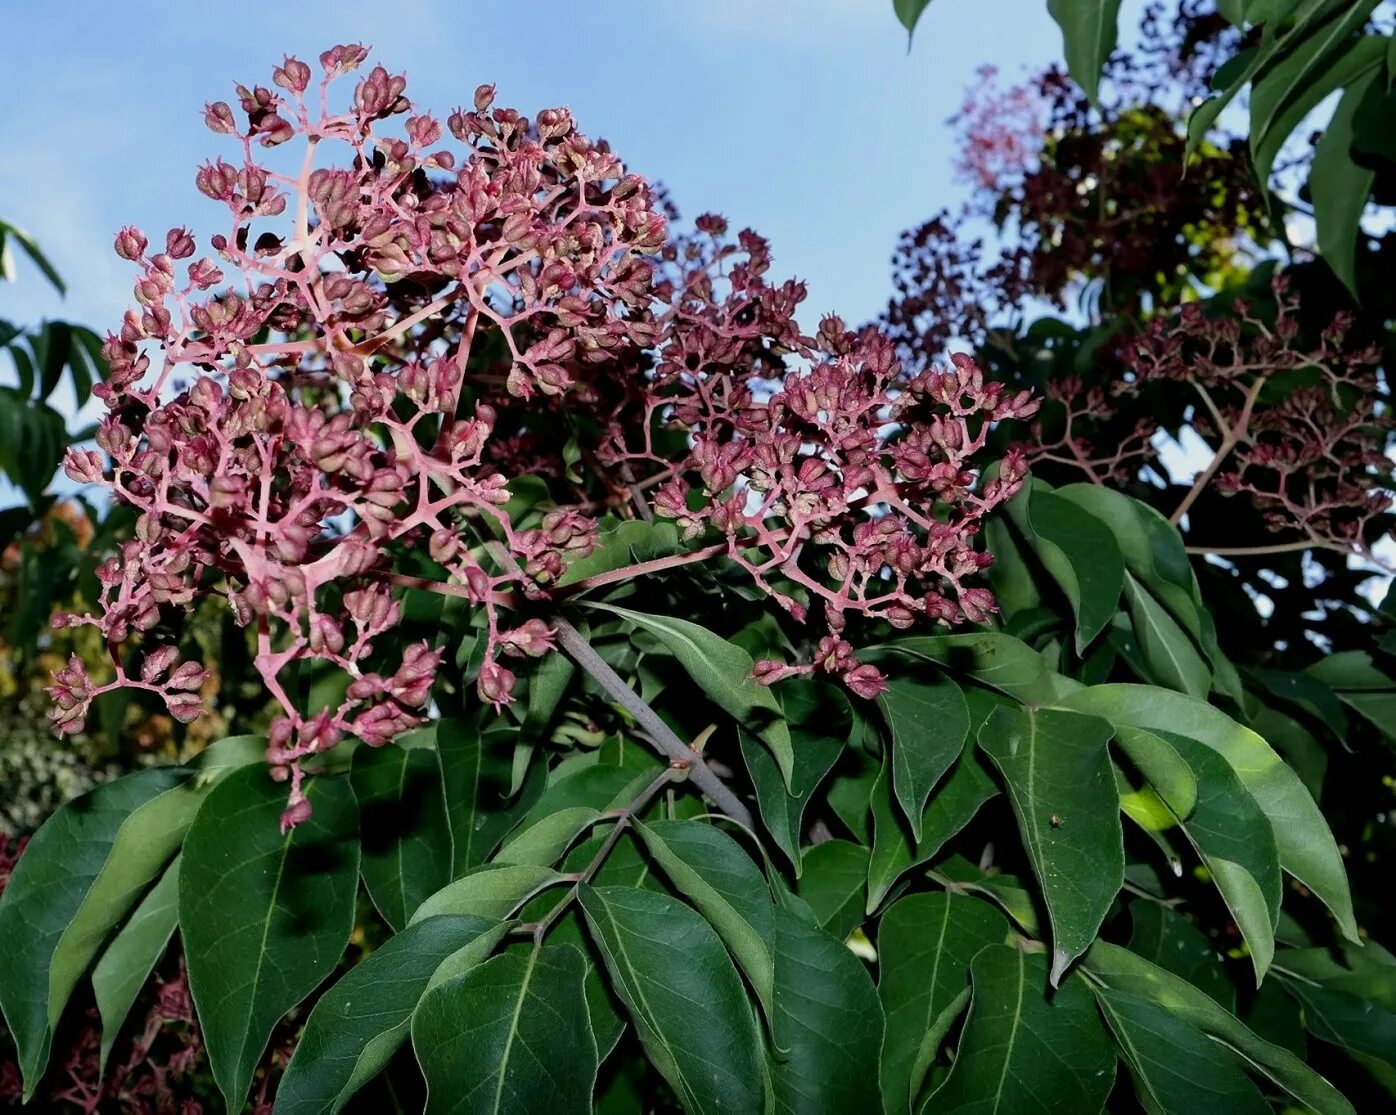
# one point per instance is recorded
(80, 874)
(925, 943)
(1166, 938)
(951, 807)
(1023, 1052)
(1307, 848)
(693, 1017)
(1177, 1069)
(132, 955)
(1172, 659)
(929, 721)
(827, 1025)
(1236, 842)
(713, 872)
(406, 833)
(511, 1034)
(1088, 35)
(1056, 766)
(476, 770)
(722, 670)
(1121, 970)
(834, 885)
(362, 1020)
(782, 809)
(908, 12)
(1341, 187)
(1357, 1025)
(264, 917)
(1078, 550)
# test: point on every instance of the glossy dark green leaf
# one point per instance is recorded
(722, 670)
(1236, 842)
(682, 994)
(1341, 187)
(1173, 661)
(925, 943)
(710, 869)
(834, 885)
(951, 807)
(827, 1025)
(1307, 848)
(1168, 939)
(929, 721)
(1357, 1025)
(132, 955)
(1088, 36)
(1023, 1052)
(362, 1020)
(1121, 970)
(79, 876)
(782, 809)
(264, 917)
(509, 1035)
(990, 658)
(406, 834)
(476, 771)
(1078, 550)
(1056, 766)
(1177, 1069)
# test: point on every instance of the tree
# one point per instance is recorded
(715, 713)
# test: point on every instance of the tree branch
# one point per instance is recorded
(699, 773)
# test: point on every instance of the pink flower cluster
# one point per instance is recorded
(368, 357)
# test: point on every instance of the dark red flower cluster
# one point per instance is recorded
(1300, 428)
(289, 435)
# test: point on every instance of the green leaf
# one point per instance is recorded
(627, 543)
(834, 885)
(999, 661)
(78, 877)
(490, 891)
(128, 961)
(712, 872)
(1354, 1024)
(362, 1020)
(1121, 970)
(37, 257)
(1166, 938)
(1236, 842)
(1056, 766)
(264, 917)
(1340, 187)
(1021, 1052)
(1307, 848)
(476, 770)
(1177, 1069)
(510, 1035)
(782, 809)
(1159, 762)
(929, 721)
(950, 809)
(828, 1023)
(692, 1014)
(1088, 36)
(722, 670)
(908, 12)
(1079, 551)
(925, 943)
(543, 842)
(406, 834)
(1171, 656)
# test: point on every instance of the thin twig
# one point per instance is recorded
(699, 773)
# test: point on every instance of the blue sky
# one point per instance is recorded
(804, 119)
